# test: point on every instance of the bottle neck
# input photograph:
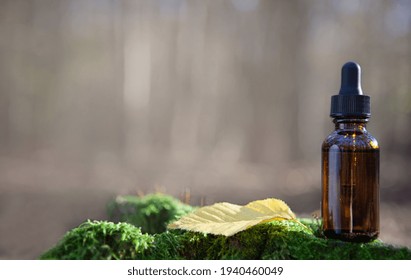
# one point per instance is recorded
(350, 124)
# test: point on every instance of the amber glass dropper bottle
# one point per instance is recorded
(350, 165)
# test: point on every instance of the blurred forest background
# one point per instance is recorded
(227, 100)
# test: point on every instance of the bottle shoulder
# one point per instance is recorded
(350, 140)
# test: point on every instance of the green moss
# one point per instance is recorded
(101, 241)
(282, 240)
(275, 240)
(166, 246)
(248, 244)
(151, 213)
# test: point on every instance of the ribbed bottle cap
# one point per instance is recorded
(350, 101)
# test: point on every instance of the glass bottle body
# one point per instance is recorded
(350, 182)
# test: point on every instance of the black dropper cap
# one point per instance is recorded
(350, 101)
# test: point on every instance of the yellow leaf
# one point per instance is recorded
(228, 219)
(272, 206)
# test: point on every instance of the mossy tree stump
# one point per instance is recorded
(273, 240)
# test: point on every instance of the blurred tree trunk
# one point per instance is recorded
(272, 134)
